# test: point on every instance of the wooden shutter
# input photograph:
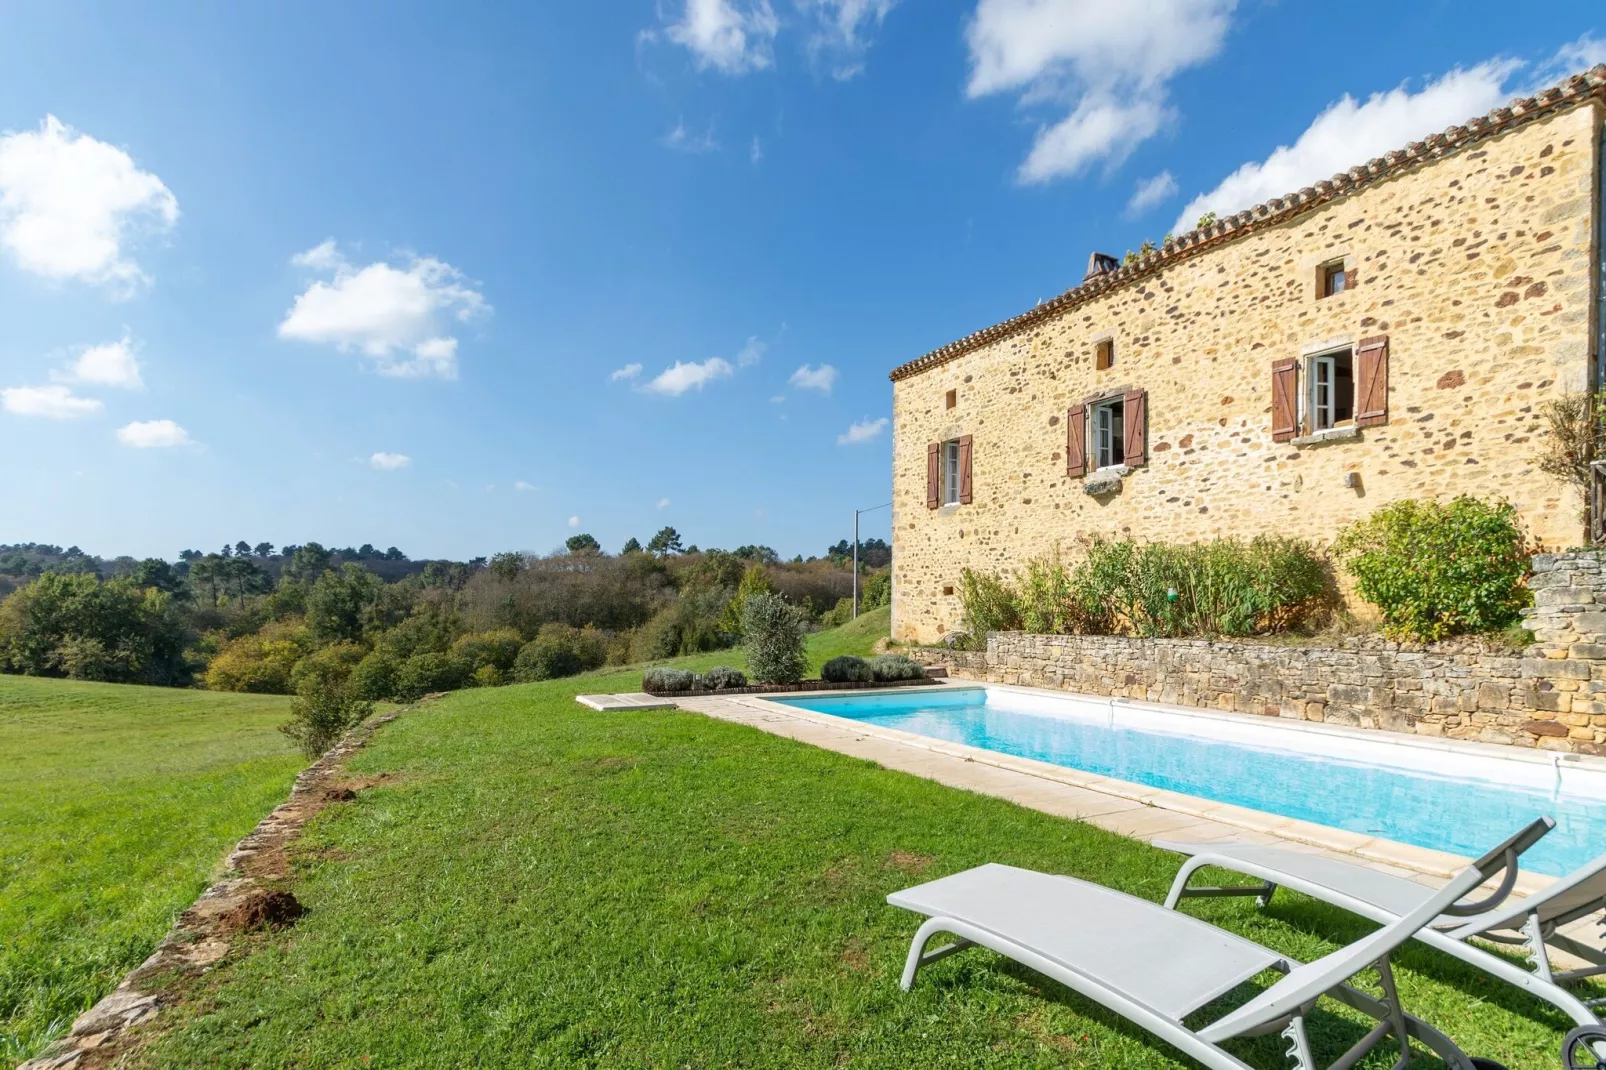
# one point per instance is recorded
(1372, 381)
(964, 469)
(933, 474)
(1135, 427)
(1284, 400)
(1076, 441)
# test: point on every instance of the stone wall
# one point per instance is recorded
(1552, 695)
(1478, 268)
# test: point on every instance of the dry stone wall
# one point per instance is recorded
(1552, 696)
(1476, 266)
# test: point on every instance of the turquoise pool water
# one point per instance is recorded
(1434, 799)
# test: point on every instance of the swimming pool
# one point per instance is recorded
(1457, 799)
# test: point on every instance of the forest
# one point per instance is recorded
(259, 618)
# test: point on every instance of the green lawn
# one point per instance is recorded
(116, 804)
(542, 885)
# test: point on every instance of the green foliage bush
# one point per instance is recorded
(772, 633)
(847, 669)
(1218, 587)
(321, 712)
(888, 667)
(375, 676)
(877, 591)
(77, 624)
(691, 624)
(261, 662)
(497, 649)
(721, 677)
(754, 581)
(838, 615)
(559, 650)
(1436, 569)
(661, 678)
(333, 664)
(424, 674)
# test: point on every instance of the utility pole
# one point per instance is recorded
(856, 513)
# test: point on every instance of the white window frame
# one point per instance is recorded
(1314, 405)
(950, 472)
(1108, 434)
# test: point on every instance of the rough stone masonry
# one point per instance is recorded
(1552, 696)
(1473, 255)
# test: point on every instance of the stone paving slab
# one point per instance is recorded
(638, 700)
(1118, 806)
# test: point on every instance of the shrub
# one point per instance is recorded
(837, 615)
(321, 712)
(495, 649)
(1436, 569)
(424, 674)
(334, 663)
(489, 676)
(847, 669)
(989, 605)
(375, 676)
(260, 663)
(85, 658)
(877, 591)
(665, 679)
(896, 667)
(772, 632)
(691, 624)
(754, 581)
(723, 676)
(559, 650)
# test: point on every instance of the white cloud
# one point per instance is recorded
(1152, 191)
(663, 503)
(751, 353)
(675, 381)
(395, 315)
(1349, 133)
(682, 140)
(523, 486)
(731, 36)
(862, 431)
(153, 434)
(51, 402)
(574, 521)
(1110, 64)
(629, 371)
(839, 31)
(809, 377)
(108, 364)
(389, 462)
(69, 206)
(755, 151)
(1570, 59)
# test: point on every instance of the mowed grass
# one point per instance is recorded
(541, 885)
(116, 804)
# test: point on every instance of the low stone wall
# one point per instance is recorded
(1552, 695)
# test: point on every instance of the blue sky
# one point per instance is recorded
(465, 278)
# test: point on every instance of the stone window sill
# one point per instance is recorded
(1322, 438)
(1105, 480)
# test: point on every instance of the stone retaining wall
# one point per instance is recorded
(1552, 695)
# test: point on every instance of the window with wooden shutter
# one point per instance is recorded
(1372, 381)
(1284, 400)
(1135, 427)
(933, 475)
(1076, 441)
(964, 469)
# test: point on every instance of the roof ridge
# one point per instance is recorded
(1566, 94)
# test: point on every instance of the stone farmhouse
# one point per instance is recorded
(1390, 333)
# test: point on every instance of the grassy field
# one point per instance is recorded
(541, 885)
(116, 803)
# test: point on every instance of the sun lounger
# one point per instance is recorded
(1530, 922)
(1157, 967)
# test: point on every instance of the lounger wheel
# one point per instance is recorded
(1487, 1064)
(1584, 1048)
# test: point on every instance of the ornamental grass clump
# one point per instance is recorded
(1436, 569)
(890, 667)
(847, 669)
(722, 677)
(660, 678)
(772, 632)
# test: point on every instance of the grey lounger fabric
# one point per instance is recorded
(1156, 967)
(1530, 921)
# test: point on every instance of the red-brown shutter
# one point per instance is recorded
(1372, 381)
(1135, 427)
(1076, 441)
(933, 475)
(1284, 400)
(964, 469)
